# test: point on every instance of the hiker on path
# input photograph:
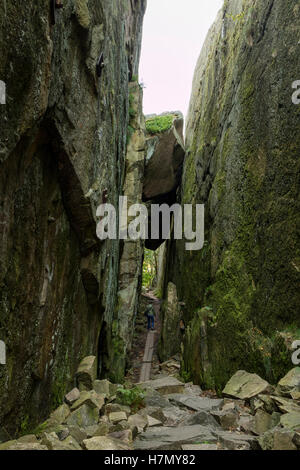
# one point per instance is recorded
(150, 314)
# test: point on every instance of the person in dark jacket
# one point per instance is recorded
(150, 314)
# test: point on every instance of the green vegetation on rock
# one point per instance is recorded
(159, 124)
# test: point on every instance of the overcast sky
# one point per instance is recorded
(174, 31)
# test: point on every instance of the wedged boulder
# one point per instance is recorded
(83, 417)
(104, 443)
(164, 155)
(171, 438)
(195, 403)
(291, 421)
(277, 439)
(89, 398)
(165, 385)
(86, 373)
(245, 386)
(290, 383)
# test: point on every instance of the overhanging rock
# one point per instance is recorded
(164, 161)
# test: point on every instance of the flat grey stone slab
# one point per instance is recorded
(171, 438)
(199, 447)
(195, 403)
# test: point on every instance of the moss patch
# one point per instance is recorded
(159, 124)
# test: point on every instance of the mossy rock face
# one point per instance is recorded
(242, 162)
(62, 149)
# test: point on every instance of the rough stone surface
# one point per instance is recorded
(60, 415)
(117, 416)
(245, 386)
(169, 438)
(91, 399)
(72, 396)
(52, 442)
(290, 382)
(87, 372)
(227, 419)
(264, 421)
(62, 153)
(170, 316)
(83, 417)
(165, 156)
(236, 441)
(138, 421)
(200, 447)
(241, 144)
(104, 443)
(291, 421)
(277, 439)
(25, 447)
(164, 385)
(196, 403)
(152, 422)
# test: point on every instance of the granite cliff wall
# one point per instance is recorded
(240, 293)
(62, 153)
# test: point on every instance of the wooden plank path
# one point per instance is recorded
(147, 359)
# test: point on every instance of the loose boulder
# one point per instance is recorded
(87, 373)
(290, 383)
(245, 386)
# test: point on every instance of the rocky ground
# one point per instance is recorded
(171, 415)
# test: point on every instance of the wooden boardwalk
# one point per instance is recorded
(147, 359)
